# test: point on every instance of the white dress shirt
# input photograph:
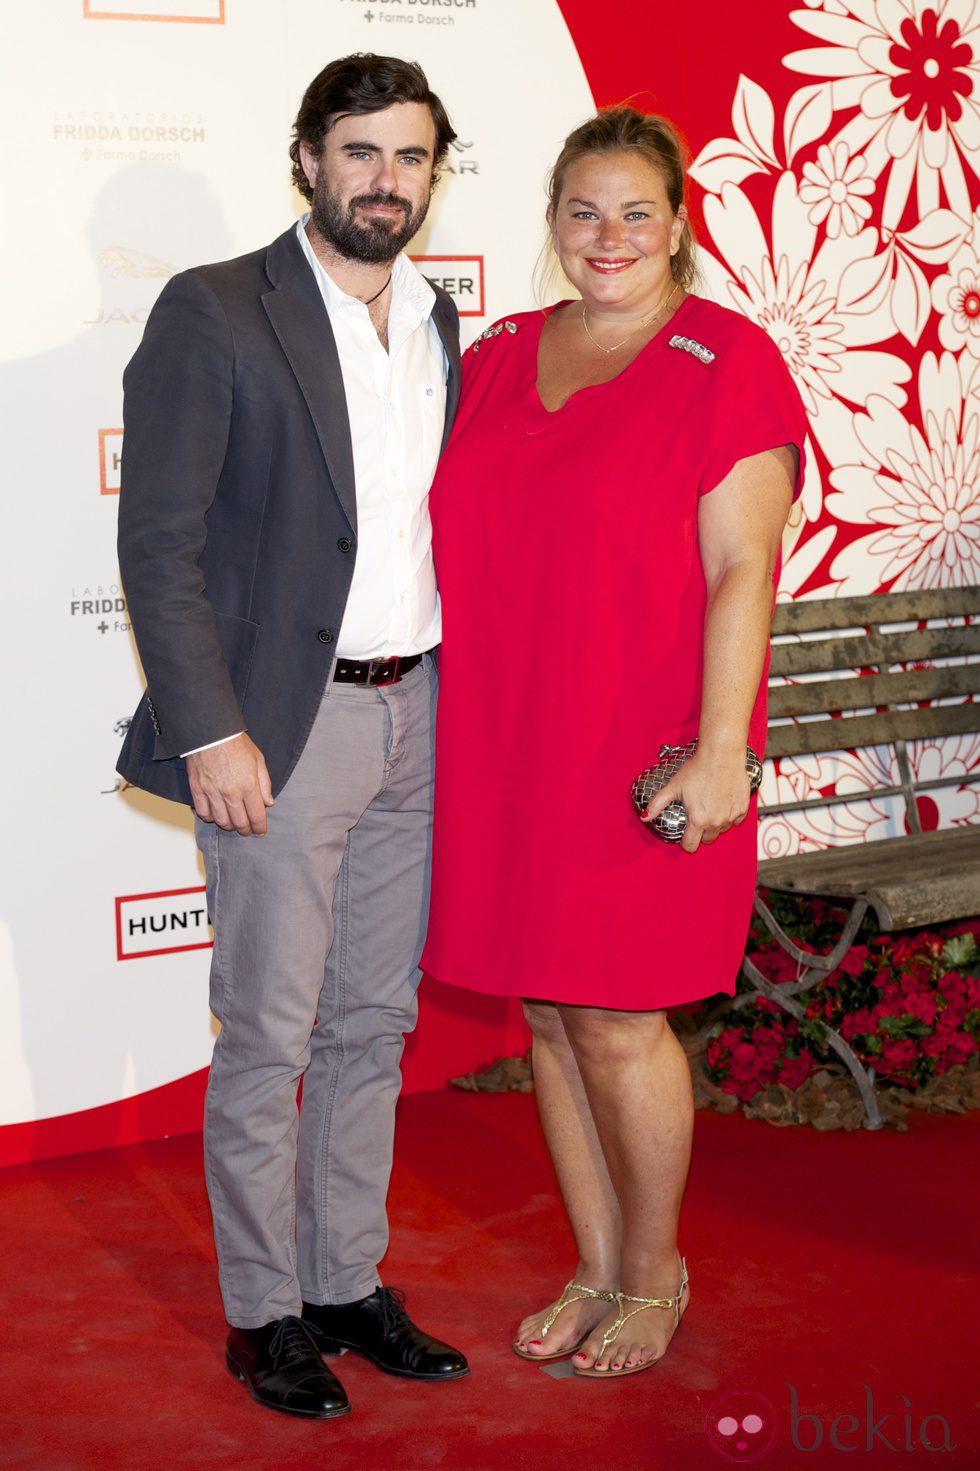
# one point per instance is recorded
(396, 406)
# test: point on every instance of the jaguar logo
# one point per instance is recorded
(122, 260)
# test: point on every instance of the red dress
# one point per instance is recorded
(573, 604)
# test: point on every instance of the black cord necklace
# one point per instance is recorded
(381, 292)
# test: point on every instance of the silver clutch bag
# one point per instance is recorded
(672, 821)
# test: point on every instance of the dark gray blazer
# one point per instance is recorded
(238, 513)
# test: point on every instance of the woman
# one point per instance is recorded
(607, 522)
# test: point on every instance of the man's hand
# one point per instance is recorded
(230, 786)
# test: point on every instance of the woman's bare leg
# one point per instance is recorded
(638, 1086)
(586, 1188)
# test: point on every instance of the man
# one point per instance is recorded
(283, 418)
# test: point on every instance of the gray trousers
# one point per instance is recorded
(318, 932)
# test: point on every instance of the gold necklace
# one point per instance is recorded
(644, 323)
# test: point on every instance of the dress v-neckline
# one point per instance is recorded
(536, 407)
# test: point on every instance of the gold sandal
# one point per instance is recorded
(623, 1317)
(579, 1293)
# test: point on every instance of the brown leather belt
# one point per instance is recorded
(375, 672)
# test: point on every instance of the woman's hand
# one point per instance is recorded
(715, 792)
(740, 524)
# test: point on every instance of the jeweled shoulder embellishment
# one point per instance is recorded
(696, 349)
(507, 326)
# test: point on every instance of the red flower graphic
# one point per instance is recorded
(928, 64)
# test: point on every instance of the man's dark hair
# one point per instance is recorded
(358, 84)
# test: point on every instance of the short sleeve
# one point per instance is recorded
(756, 407)
(486, 356)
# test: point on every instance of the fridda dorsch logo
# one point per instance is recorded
(101, 604)
(413, 12)
(161, 923)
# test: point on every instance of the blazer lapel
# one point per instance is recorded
(447, 325)
(299, 319)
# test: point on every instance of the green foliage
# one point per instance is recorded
(813, 923)
(962, 953)
(904, 1026)
(814, 1031)
(907, 1003)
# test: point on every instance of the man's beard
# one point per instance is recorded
(376, 241)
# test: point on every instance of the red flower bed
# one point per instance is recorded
(909, 1006)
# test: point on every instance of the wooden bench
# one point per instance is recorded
(845, 678)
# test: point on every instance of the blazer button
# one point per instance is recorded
(325, 636)
(345, 543)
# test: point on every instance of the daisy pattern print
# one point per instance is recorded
(842, 214)
(912, 71)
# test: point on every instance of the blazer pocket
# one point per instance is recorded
(238, 637)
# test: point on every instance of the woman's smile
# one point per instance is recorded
(609, 267)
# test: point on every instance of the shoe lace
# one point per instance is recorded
(394, 1313)
(293, 1340)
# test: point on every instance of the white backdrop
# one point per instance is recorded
(143, 138)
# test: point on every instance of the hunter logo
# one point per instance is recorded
(200, 12)
(110, 460)
(157, 924)
(460, 275)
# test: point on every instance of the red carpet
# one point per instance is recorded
(823, 1262)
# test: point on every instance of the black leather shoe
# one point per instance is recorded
(280, 1366)
(379, 1328)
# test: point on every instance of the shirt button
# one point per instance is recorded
(325, 636)
(345, 544)
(401, 536)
